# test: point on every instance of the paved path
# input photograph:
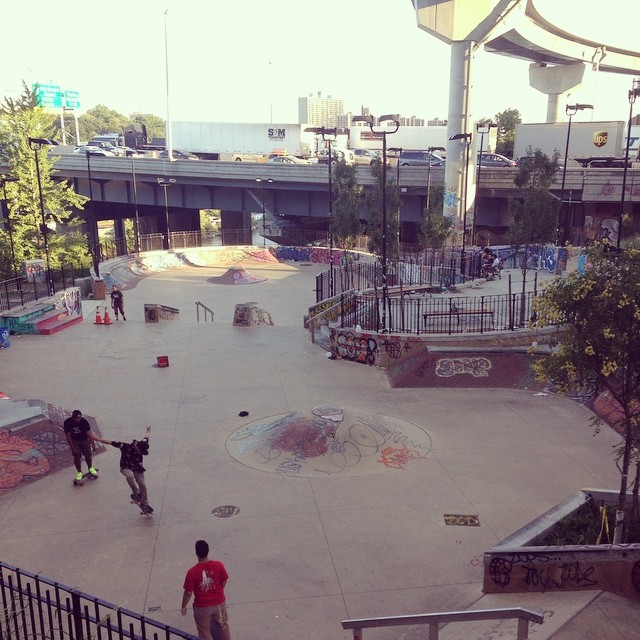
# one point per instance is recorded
(311, 544)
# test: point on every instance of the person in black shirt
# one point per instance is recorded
(79, 437)
(131, 464)
(117, 301)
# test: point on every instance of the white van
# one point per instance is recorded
(366, 156)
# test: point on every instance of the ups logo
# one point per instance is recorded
(600, 138)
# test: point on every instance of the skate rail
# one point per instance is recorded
(434, 620)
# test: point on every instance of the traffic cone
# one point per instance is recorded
(98, 316)
(107, 317)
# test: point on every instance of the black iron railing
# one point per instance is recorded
(17, 292)
(35, 607)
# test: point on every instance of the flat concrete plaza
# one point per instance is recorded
(315, 532)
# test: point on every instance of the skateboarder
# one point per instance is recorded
(79, 438)
(117, 301)
(131, 466)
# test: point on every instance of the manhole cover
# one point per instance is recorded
(225, 511)
(329, 441)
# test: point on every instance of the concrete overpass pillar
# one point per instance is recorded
(459, 178)
(236, 227)
(556, 81)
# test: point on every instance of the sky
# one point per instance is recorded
(250, 60)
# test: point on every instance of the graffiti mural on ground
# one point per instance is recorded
(329, 441)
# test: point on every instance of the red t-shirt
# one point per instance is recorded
(205, 581)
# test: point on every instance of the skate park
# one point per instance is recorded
(309, 540)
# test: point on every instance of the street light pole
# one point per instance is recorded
(395, 121)
(165, 183)
(482, 129)
(634, 92)
(329, 136)
(36, 144)
(135, 202)
(4, 179)
(397, 151)
(94, 242)
(570, 110)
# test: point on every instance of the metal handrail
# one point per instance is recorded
(205, 309)
(434, 620)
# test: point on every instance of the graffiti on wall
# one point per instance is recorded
(477, 367)
(329, 441)
(357, 348)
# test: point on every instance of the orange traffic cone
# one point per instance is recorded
(98, 316)
(107, 317)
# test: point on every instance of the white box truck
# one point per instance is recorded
(587, 139)
(241, 141)
(408, 138)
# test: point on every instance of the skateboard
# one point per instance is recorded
(79, 483)
(145, 509)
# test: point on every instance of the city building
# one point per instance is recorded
(319, 111)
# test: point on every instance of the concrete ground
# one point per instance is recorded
(321, 532)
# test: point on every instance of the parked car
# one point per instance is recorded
(366, 156)
(493, 160)
(107, 146)
(176, 154)
(286, 160)
(336, 154)
(420, 159)
(93, 150)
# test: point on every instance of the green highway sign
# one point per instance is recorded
(72, 99)
(48, 95)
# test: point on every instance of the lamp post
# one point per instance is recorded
(397, 151)
(482, 129)
(634, 92)
(329, 136)
(165, 183)
(168, 137)
(135, 201)
(466, 137)
(4, 179)
(94, 241)
(36, 144)
(395, 121)
(261, 182)
(570, 110)
(430, 151)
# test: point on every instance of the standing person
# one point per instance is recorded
(117, 301)
(131, 466)
(79, 437)
(206, 581)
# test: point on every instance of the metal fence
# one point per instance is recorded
(17, 292)
(35, 607)
(438, 313)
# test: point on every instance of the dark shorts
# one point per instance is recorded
(83, 446)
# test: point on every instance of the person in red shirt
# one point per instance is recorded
(206, 581)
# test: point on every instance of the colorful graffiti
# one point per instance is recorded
(20, 460)
(361, 349)
(329, 441)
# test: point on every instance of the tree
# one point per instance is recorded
(507, 121)
(435, 227)
(535, 212)
(20, 119)
(155, 125)
(99, 120)
(598, 312)
(373, 204)
(345, 223)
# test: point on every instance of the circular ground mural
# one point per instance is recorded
(329, 441)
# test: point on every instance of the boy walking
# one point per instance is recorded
(206, 581)
(117, 301)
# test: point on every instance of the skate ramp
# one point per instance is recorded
(236, 275)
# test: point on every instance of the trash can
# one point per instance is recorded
(99, 289)
(4, 338)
